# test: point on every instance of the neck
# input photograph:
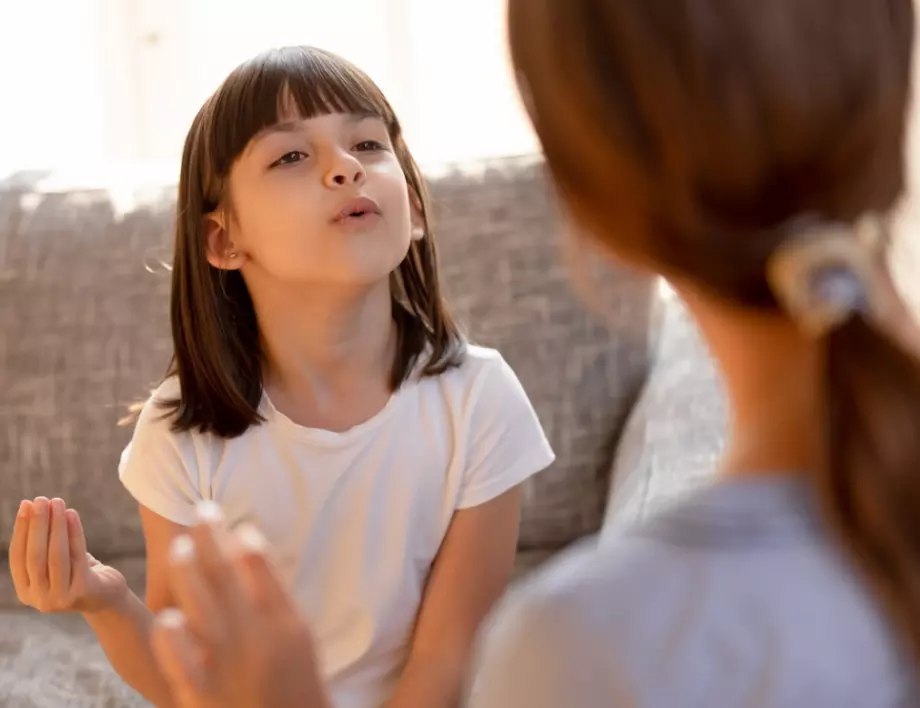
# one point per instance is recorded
(773, 378)
(326, 339)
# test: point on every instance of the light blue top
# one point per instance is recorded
(732, 598)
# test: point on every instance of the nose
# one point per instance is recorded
(344, 169)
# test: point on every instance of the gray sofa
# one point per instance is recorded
(83, 307)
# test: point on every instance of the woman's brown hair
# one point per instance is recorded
(217, 356)
(686, 134)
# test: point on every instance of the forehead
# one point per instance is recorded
(290, 114)
(293, 122)
(281, 87)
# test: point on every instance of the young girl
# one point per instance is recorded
(319, 392)
(752, 153)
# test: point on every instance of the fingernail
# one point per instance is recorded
(209, 513)
(182, 549)
(41, 505)
(251, 538)
(23, 508)
(57, 506)
(171, 618)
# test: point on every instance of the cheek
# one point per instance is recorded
(288, 210)
(392, 188)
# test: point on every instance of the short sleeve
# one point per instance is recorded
(506, 443)
(158, 467)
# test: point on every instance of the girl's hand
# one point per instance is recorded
(236, 639)
(51, 569)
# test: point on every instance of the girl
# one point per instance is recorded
(320, 392)
(752, 153)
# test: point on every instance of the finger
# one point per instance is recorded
(58, 551)
(37, 546)
(76, 544)
(214, 546)
(257, 574)
(18, 545)
(179, 656)
(193, 594)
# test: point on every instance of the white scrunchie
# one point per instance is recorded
(825, 273)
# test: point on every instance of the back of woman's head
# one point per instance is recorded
(217, 356)
(692, 136)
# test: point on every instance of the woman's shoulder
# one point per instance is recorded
(617, 614)
(589, 629)
(555, 627)
(566, 593)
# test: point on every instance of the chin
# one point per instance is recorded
(351, 262)
(366, 275)
(373, 265)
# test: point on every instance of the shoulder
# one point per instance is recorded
(480, 370)
(160, 466)
(154, 427)
(492, 423)
(607, 620)
(574, 591)
(584, 630)
(474, 362)
(487, 396)
(555, 638)
(601, 595)
(481, 377)
(156, 415)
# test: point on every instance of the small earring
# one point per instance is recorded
(418, 233)
(232, 254)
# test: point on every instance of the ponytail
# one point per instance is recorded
(835, 283)
(870, 489)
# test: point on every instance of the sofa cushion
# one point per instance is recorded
(499, 234)
(676, 432)
(86, 334)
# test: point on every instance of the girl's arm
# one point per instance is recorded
(471, 571)
(124, 630)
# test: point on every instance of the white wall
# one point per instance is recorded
(129, 74)
(50, 83)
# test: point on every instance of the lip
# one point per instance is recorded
(362, 206)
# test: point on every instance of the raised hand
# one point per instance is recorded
(51, 568)
(236, 639)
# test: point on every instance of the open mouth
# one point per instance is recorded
(359, 215)
(358, 209)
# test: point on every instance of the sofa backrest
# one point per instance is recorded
(83, 311)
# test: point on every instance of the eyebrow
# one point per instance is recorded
(297, 126)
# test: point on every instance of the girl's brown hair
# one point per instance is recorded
(217, 356)
(684, 134)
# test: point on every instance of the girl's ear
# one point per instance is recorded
(222, 253)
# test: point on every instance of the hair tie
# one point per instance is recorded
(824, 273)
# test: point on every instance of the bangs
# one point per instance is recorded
(280, 84)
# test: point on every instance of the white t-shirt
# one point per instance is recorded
(355, 518)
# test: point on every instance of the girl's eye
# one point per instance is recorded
(289, 158)
(369, 146)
